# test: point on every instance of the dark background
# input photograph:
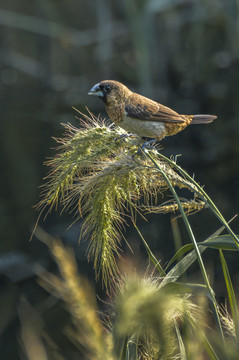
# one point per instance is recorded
(183, 53)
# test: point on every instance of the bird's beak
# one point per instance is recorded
(96, 90)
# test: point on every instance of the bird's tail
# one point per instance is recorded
(202, 119)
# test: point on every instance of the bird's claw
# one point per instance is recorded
(123, 137)
(146, 145)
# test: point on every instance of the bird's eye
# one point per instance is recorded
(107, 88)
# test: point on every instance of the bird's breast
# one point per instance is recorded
(115, 112)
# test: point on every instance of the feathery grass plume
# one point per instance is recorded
(230, 349)
(190, 207)
(79, 151)
(104, 198)
(98, 173)
(108, 194)
(147, 315)
(79, 298)
(228, 324)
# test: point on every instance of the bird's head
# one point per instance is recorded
(110, 91)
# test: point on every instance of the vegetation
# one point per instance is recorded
(107, 179)
(182, 53)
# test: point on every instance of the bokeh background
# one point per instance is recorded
(183, 53)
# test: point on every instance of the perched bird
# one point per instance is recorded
(139, 115)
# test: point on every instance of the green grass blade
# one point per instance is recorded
(132, 353)
(184, 249)
(120, 346)
(224, 242)
(179, 269)
(188, 260)
(182, 288)
(203, 195)
(185, 219)
(183, 355)
(149, 252)
(193, 240)
(209, 349)
(179, 254)
(176, 234)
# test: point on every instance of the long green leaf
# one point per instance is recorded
(224, 242)
(179, 269)
(179, 254)
(183, 288)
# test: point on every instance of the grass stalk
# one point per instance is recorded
(193, 240)
(204, 196)
(149, 252)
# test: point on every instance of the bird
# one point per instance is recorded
(140, 115)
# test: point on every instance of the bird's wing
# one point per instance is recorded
(146, 109)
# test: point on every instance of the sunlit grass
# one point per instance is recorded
(95, 174)
(107, 182)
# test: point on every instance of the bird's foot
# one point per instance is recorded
(123, 137)
(146, 145)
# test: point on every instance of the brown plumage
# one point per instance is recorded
(140, 115)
